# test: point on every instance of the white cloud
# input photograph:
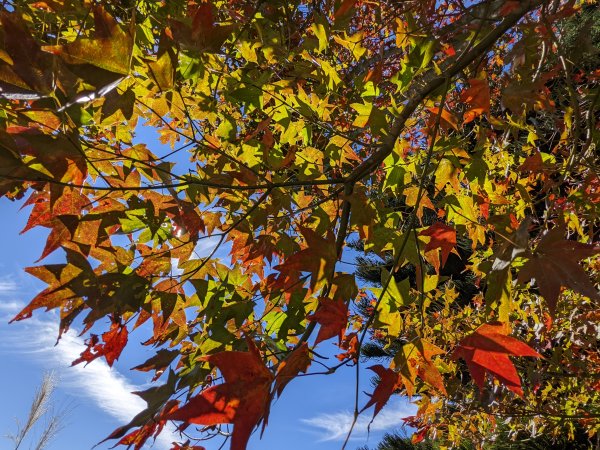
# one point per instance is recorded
(7, 286)
(12, 306)
(335, 426)
(106, 387)
(8, 290)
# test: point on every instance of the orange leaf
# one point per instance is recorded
(442, 237)
(298, 361)
(242, 400)
(447, 119)
(344, 8)
(332, 315)
(153, 427)
(350, 344)
(114, 341)
(477, 97)
(415, 360)
(487, 350)
(389, 382)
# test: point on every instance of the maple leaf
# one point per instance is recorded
(447, 119)
(350, 344)
(442, 237)
(555, 264)
(242, 400)
(499, 280)
(110, 49)
(414, 360)
(318, 258)
(388, 383)
(113, 343)
(138, 438)
(487, 350)
(477, 97)
(298, 361)
(158, 362)
(344, 8)
(332, 315)
(152, 419)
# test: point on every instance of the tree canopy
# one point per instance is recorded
(436, 133)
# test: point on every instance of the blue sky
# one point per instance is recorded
(313, 411)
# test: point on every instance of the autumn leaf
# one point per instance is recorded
(442, 237)
(158, 362)
(110, 49)
(187, 447)
(151, 420)
(350, 345)
(344, 8)
(297, 361)
(332, 315)
(297, 138)
(138, 438)
(389, 381)
(498, 296)
(113, 342)
(555, 264)
(477, 98)
(318, 258)
(242, 400)
(447, 119)
(415, 360)
(487, 351)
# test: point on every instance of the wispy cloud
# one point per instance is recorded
(335, 426)
(10, 306)
(7, 287)
(106, 387)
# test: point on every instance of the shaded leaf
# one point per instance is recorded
(389, 381)
(298, 361)
(415, 360)
(477, 97)
(110, 49)
(242, 400)
(555, 264)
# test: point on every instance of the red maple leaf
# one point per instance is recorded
(332, 315)
(344, 8)
(389, 382)
(298, 361)
(487, 350)
(442, 237)
(138, 438)
(555, 264)
(350, 344)
(477, 97)
(242, 400)
(113, 343)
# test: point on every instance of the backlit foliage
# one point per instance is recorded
(293, 128)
